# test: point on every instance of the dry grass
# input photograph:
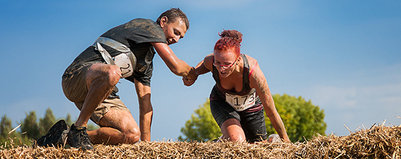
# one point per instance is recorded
(376, 142)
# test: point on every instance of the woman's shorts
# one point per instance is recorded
(253, 123)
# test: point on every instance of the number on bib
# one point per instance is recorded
(240, 103)
(125, 65)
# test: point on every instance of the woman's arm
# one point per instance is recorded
(258, 81)
(203, 67)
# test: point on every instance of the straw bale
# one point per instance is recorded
(376, 142)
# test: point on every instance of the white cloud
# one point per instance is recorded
(393, 99)
(341, 97)
(367, 98)
(387, 96)
(346, 97)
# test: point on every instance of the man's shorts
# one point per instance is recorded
(253, 123)
(75, 89)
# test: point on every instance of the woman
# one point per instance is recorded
(241, 92)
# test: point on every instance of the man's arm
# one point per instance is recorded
(145, 109)
(176, 65)
(258, 81)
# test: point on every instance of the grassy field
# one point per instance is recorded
(375, 142)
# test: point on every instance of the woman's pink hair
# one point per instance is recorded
(229, 39)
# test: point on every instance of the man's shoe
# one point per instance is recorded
(54, 136)
(78, 138)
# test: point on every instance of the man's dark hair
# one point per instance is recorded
(172, 15)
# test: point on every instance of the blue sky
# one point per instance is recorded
(344, 56)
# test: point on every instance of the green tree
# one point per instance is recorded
(68, 119)
(201, 126)
(5, 126)
(12, 139)
(301, 118)
(46, 122)
(91, 127)
(30, 127)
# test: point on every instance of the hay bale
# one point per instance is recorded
(376, 142)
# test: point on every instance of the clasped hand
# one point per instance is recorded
(190, 79)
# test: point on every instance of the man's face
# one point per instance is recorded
(174, 31)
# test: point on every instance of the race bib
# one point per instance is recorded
(240, 103)
(124, 62)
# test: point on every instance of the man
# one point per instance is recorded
(125, 51)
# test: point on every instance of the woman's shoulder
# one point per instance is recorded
(209, 57)
(254, 70)
(252, 61)
(208, 61)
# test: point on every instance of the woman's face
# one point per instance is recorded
(174, 31)
(225, 61)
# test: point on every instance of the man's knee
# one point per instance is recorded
(132, 136)
(113, 74)
(109, 74)
(237, 137)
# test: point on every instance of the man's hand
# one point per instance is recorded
(190, 78)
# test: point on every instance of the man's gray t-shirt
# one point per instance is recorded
(137, 34)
